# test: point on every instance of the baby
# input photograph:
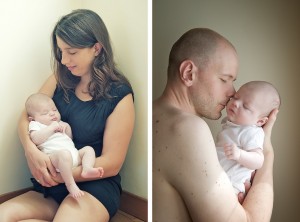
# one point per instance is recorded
(54, 137)
(240, 142)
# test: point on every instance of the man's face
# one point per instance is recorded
(214, 86)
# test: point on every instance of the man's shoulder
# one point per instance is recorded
(178, 116)
(189, 118)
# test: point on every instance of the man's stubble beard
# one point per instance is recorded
(208, 109)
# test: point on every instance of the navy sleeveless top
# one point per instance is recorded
(88, 118)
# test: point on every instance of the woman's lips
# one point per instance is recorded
(71, 68)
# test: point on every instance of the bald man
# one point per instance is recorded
(188, 182)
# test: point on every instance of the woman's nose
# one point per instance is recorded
(64, 59)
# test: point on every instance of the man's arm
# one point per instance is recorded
(261, 191)
(204, 185)
(262, 188)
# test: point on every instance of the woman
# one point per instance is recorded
(97, 101)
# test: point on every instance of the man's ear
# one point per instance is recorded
(30, 118)
(98, 48)
(186, 72)
(262, 121)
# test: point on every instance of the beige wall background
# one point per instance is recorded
(266, 35)
(25, 64)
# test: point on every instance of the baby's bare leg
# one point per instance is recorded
(87, 156)
(62, 160)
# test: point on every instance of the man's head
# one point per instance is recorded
(253, 103)
(206, 64)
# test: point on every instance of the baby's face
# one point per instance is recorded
(46, 112)
(245, 107)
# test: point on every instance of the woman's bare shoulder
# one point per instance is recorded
(49, 86)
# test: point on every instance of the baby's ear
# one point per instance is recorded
(262, 121)
(30, 118)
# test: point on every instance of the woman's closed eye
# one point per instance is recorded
(72, 52)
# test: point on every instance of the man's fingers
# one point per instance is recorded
(247, 186)
(272, 118)
(252, 176)
(241, 197)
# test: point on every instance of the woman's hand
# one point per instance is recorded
(41, 167)
(58, 178)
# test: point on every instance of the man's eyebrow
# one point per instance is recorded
(227, 75)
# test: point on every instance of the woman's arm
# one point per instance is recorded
(117, 135)
(38, 162)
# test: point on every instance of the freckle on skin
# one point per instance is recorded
(157, 121)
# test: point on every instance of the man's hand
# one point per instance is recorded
(242, 196)
(269, 125)
(232, 152)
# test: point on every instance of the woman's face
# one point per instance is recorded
(77, 60)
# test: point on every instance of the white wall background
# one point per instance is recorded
(266, 35)
(25, 29)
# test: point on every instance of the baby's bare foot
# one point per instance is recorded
(92, 172)
(74, 190)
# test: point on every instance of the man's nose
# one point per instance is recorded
(232, 91)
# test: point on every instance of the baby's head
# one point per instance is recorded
(252, 103)
(41, 108)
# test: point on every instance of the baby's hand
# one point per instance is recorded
(56, 127)
(64, 126)
(232, 152)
